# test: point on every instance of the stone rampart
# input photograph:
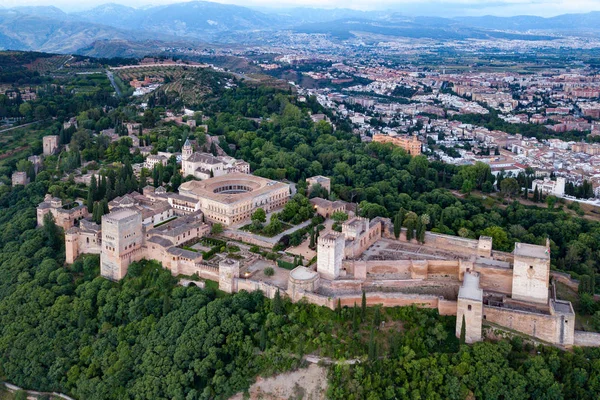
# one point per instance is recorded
(496, 279)
(587, 339)
(565, 279)
(252, 285)
(545, 327)
(447, 307)
(452, 243)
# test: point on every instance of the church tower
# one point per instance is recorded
(186, 150)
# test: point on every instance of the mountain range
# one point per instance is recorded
(47, 28)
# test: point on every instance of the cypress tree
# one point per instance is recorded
(372, 346)
(363, 306)
(143, 181)
(397, 226)
(354, 318)
(96, 215)
(90, 201)
(277, 304)
(463, 331)
(102, 187)
(263, 339)
(410, 230)
(94, 188)
(421, 228)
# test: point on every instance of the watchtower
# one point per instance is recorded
(470, 306)
(330, 253)
(484, 246)
(229, 271)
(531, 273)
(121, 242)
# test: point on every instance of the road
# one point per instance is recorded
(13, 388)
(111, 78)
(326, 360)
(20, 126)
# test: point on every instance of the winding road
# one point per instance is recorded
(111, 78)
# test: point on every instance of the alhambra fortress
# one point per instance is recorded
(458, 276)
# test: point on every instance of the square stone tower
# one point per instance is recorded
(229, 271)
(330, 253)
(71, 245)
(122, 238)
(50, 144)
(531, 273)
(470, 305)
(484, 246)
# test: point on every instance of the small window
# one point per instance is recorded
(531, 267)
(484, 317)
(566, 322)
(469, 307)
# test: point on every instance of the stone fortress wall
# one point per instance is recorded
(458, 276)
(483, 282)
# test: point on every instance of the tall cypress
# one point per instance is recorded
(363, 308)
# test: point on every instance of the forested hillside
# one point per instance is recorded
(69, 330)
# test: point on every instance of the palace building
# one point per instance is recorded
(232, 198)
(411, 144)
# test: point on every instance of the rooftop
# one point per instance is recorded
(470, 288)
(303, 273)
(120, 214)
(531, 250)
(230, 188)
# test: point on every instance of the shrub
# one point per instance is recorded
(269, 271)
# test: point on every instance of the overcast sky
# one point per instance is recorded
(424, 7)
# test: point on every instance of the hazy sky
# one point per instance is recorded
(414, 7)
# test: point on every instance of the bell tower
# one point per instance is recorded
(186, 150)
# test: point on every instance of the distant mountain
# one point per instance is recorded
(418, 27)
(111, 14)
(199, 19)
(570, 22)
(43, 11)
(111, 25)
(31, 32)
(8, 43)
(303, 15)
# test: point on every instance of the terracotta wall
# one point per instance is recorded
(451, 243)
(495, 279)
(447, 307)
(441, 269)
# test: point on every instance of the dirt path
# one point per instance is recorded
(305, 383)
